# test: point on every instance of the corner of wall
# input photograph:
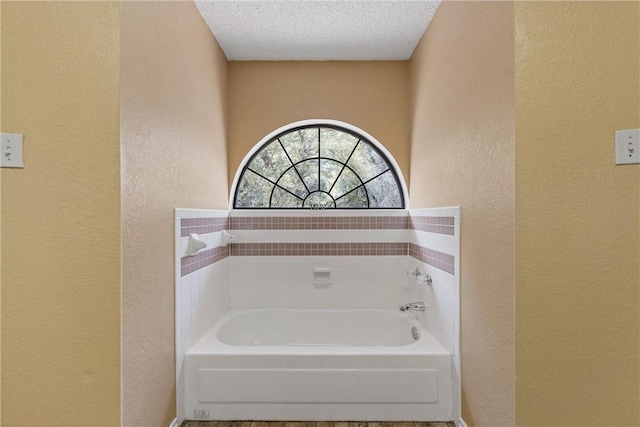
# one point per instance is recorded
(174, 145)
(463, 154)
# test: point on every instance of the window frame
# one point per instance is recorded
(361, 135)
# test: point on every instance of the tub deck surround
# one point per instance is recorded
(317, 365)
(270, 264)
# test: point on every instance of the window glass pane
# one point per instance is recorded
(356, 199)
(253, 191)
(271, 162)
(309, 172)
(282, 199)
(384, 192)
(301, 144)
(336, 144)
(345, 183)
(329, 171)
(366, 162)
(292, 182)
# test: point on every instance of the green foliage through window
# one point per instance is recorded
(319, 167)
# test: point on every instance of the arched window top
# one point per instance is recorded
(319, 164)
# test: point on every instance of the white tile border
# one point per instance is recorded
(243, 213)
(447, 211)
(201, 213)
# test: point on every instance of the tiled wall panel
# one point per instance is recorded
(275, 252)
(271, 260)
(202, 282)
(434, 244)
(287, 282)
(189, 264)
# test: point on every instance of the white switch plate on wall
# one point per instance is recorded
(627, 146)
(11, 150)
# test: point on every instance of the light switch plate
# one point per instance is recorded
(627, 146)
(11, 150)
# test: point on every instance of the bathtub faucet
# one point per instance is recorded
(419, 306)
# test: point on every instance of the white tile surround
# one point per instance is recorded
(202, 297)
(286, 282)
(443, 318)
(381, 281)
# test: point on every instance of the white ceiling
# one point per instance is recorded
(317, 30)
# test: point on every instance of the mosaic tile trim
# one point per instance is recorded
(320, 223)
(318, 249)
(433, 224)
(189, 264)
(441, 225)
(439, 260)
(202, 225)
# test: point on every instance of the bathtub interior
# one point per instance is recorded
(272, 280)
(314, 328)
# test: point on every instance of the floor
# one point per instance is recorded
(308, 424)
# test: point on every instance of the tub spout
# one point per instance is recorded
(418, 306)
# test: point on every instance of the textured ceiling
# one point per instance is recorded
(317, 30)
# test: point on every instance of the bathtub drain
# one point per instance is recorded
(415, 334)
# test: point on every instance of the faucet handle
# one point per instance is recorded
(415, 272)
(420, 277)
(427, 280)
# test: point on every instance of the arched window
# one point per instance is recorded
(320, 165)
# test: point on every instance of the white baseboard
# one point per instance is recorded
(174, 423)
(460, 423)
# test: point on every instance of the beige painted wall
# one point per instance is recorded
(61, 215)
(577, 214)
(264, 96)
(462, 153)
(173, 91)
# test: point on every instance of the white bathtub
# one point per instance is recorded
(315, 365)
